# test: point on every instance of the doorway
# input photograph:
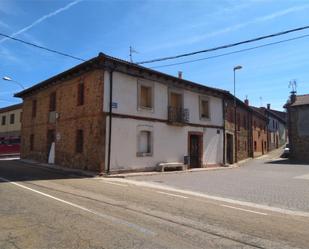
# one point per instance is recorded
(51, 136)
(195, 145)
(229, 148)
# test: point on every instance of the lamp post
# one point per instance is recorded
(10, 79)
(235, 122)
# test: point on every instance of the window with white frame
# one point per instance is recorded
(204, 108)
(144, 145)
(145, 95)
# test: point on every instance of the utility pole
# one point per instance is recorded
(235, 105)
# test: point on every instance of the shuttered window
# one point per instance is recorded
(52, 102)
(144, 143)
(145, 96)
(79, 141)
(204, 108)
(80, 94)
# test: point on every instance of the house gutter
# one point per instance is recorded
(110, 120)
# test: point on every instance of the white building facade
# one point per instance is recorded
(161, 120)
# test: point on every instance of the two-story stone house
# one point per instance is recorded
(238, 130)
(276, 129)
(298, 126)
(110, 115)
(10, 117)
(259, 132)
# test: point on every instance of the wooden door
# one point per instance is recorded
(195, 150)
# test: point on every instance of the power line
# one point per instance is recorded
(233, 52)
(41, 47)
(224, 46)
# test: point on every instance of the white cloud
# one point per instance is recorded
(199, 38)
(42, 19)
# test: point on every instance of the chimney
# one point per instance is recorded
(268, 106)
(247, 102)
(180, 74)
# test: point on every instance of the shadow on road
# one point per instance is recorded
(16, 170)
(287, 161)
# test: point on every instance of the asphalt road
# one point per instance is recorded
(43, 208)
(267, 181)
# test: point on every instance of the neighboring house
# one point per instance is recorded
(10, 125)
(259, 132)
(242, 149)
(10, 118)
(108, 115)
(276, 135)
(298, 126)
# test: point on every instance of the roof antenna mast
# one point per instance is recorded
(293, 85)
(132, 50)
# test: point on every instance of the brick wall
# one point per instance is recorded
(259, 135)
(88, 117)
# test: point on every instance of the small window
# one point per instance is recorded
(79, 141)
(20, 117)
(3, 120)
(175, 100)
(204, 108)
(31, 142)
(144, 143)
(12, 118)
(52, 102)
(80, 94)
(34, 103)
(145, 97)
(254, 145)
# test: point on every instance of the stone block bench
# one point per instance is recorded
(172, 166)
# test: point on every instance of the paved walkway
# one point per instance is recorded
(266, 180)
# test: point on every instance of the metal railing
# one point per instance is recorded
(178, 115)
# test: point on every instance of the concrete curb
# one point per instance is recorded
(151, 173)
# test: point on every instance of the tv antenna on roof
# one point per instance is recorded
(132, 50)
(293, 85)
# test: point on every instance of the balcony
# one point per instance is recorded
(178, 116)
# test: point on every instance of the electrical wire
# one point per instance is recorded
(41, 47)
(233, 52)
(224, 46)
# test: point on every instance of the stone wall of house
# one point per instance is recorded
(72, 117)
(259, 135)
(242, 129)
(299, 133)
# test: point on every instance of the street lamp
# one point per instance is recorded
(235, 129)
(10, 79)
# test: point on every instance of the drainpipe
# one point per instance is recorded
(223, 108)
(110, 120)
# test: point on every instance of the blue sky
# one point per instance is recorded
(160, 28)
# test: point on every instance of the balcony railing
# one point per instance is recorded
(178, 115)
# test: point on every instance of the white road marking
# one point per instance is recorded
(104, 216)
(118, 184)
(304, 177)
(212, 197)
(165, 193)
(243, 209)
